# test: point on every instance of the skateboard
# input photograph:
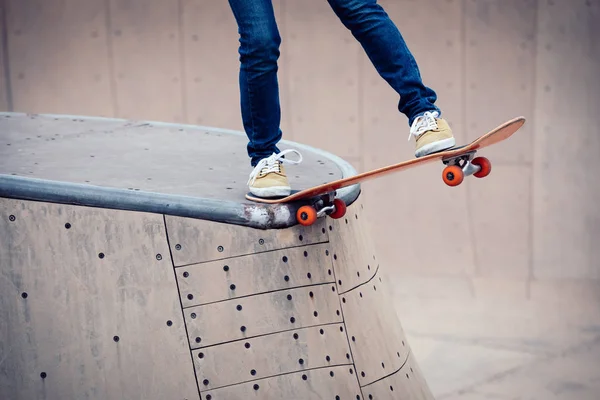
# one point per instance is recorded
(459, 161)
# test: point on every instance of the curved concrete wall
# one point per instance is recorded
(101, 303)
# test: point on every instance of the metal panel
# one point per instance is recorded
(324, 383)
(89, 304)
(270, 355)
(377, 339)
(406, 383)
(253, 274)
(262, 314)
(353, 255)
(194, 241)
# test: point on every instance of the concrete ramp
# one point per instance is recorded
(133, 268)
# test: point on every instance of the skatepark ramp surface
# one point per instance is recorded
(133, 268)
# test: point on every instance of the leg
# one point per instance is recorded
(387, 50)
(259, 88)
(385, 47)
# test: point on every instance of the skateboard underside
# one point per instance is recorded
(459, 161)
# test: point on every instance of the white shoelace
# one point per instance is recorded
(423, 123)
(272, 164)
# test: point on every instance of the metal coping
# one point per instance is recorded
(255, 215)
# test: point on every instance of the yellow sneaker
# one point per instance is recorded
(432, 134)
(268, 178)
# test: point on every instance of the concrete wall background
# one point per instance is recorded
(529, 231)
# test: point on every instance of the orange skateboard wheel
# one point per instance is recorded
(340, 209)
(453, 175)
(306, 215)
(484, 164)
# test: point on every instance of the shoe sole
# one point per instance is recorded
(274, 191)
(434, 147)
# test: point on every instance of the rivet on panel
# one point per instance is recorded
(304, 377)
(331, 373)
(284, 259)
(306, 254)
(198, 339)
(289, 297)
(300, 238)
(169, 323)
(226, 268)
(286, 278)
(311, 294)
(261, 241)
(159, 257)
(232, 286)
(43, 375)
(296, 336)
(24, 295)
(190, 296)
(363, 374)
(316, 314)
(239, 307)
(321, 331)
(220, 249)
(116, 338)
(68, 225)
(243, 328)
(101, 255)
(186, 274)
(200, 355)
(247, 345)
(382, 365)
(328, 358)
(12, 218)
(253, 372)
(178, 247)
(337, 312)
(193, 315)
(256, 387)
(301, 361)
(308, 275)
(292, 320)
(205, 382)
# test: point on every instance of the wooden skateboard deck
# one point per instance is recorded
(459, 160)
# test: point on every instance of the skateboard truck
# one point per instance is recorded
(326, 204)
(457, 167)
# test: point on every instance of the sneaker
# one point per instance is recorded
(268, 178)
(432, 134)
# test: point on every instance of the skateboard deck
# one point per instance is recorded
(459, 161)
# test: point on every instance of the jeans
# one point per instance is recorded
(259, 53)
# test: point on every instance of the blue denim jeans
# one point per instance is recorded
(259, 52)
